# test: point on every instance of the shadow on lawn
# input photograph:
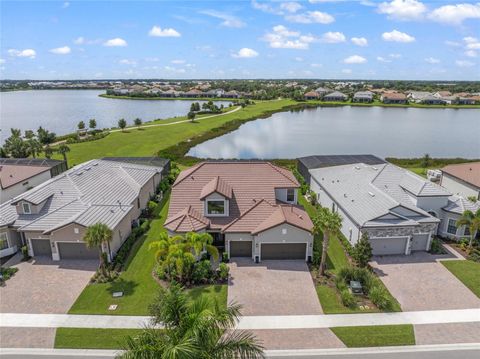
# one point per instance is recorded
(122, 285)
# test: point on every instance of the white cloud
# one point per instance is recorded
(311, 17)
(116, 42)
(299, 59)
(265, 7)
(127, 62)
(397, 36)
(157, 31)
(316, 65)
(64, 50)
(470, 53)
(472, 43)
(323, 1)
(333, 37)
(355, 59)
(464, 63)
(403, 9)
(2, 61)
(347, 71)
(282, 38)
(455, 14)
(395, 56)
(29, 53)
(432, 60)
(178, 62)
(245, 53)
(79, 40)
(359, 41)
(65, 5)
(228, 20)
(452, 43)
(383, 59)
(290, 6)
(174, 70)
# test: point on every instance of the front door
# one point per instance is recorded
(219, 240)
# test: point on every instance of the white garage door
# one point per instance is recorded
(388, 245)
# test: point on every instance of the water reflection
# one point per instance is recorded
(402, 132)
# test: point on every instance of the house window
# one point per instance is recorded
(3, 241)
(452, 228)
(290, 195)
(26, 208)
(466, 231)
(215, 207)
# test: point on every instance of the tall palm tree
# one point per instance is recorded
(63, 149)
(34, 146)
(95, 236)
(202, 242)
(327, 223)
(48, 151)
(199, 329)
(472, 221)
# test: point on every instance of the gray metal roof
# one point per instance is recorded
(458, 204)
(363, 94)
(95, 191)
(372, 195)
(319, 161)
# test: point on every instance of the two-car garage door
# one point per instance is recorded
(75, 250)
(388, 245)
(283, 251)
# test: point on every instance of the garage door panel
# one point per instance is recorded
(240, 248)
(388, 246)
(76, 250)
(284, 251)
(41, 247)
(419, 242)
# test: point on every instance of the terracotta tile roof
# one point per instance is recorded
(394, 95)
(12, 174)
(467, 172)
(217, 185)
(251, 186)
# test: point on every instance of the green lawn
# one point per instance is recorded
(149, 141)
(137, 283)
(468, 272)
(376, 336)
(91, 338)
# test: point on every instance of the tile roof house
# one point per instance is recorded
(311, 95)
(18, 175)
(393, 98)
(363, 96)
(335, 96)
(399, 210)
(52, 218)
(249, 207)
(462, 179)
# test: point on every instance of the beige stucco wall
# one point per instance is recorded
(276, 235)
(457, 187)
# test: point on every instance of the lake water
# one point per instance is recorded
(61, 110)
(396, 132)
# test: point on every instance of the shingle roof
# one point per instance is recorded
(95, 191)
(251, 186)
(467, 172)
(371, 193)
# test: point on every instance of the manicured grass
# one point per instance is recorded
(468, 272)
(137, 282)
(149, 141)
(376, 336)
(216, 292)
(92, 338)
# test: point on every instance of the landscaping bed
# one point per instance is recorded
(376, 336)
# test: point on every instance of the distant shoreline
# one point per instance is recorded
(313, 102)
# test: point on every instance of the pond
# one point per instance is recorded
(383, 131)
(61, 110)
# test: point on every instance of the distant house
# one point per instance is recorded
(231, 94)
(321, 91)
(418, 96)
(432, 100)
(462, 179)
(51, 219)
(393, 98)
(18, 175)
(442, 94)
(193, 93)
(466, 101)
(311, 95)
(335, 96)
(363, 96)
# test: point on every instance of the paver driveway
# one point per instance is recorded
(282, 287)
(419, 282)
(44, 286)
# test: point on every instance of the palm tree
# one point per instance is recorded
(202, 242)
(328, 223)
(63, 149)
(95, 236)
(34, 146)
(199, 329)
(48, 151)
(472, 222)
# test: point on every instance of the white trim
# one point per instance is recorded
(446, 226)
(28, 206)
(225, 208)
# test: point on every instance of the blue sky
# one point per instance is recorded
(364, 39)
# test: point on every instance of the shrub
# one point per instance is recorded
(7, 273)
(202, 271)
(223, 271)
(25, 254)
(152, 207)
(379, 296)
(225, 258)
(316, 258)
(436, 247)
(348, 299)
(474, 255)
(362, 251)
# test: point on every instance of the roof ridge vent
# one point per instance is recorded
(357, 167)
(371, 194)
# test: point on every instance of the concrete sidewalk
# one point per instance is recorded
(256, 322)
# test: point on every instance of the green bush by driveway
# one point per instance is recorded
(468, 272)
(376, 336)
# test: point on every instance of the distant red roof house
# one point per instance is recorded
(462, 179)
(249, 207)
(393, 97)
